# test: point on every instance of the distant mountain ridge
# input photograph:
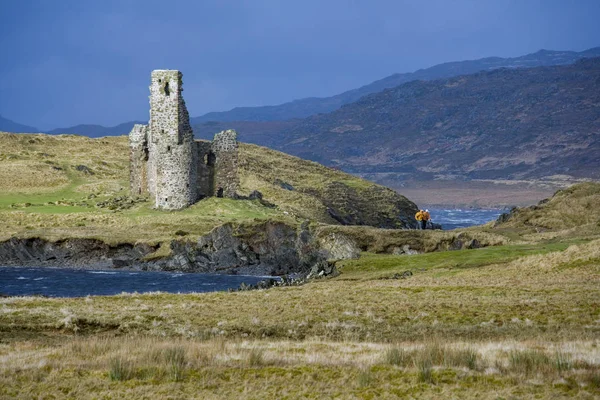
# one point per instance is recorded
(8, 125)
(94, 131)
(303, 108)
(526, 123)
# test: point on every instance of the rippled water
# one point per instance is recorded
(461, 218)
(58, 282)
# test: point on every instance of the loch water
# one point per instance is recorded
(63, 282)
(461, 218)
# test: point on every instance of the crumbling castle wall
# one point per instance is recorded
(165, 160)
(206, 169)
(138, 159)
(225, 148)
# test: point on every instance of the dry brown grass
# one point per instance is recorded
(150, 367)
(549, 297)
(31, 176)
(527, 328)
(573, 208)
(467, 324)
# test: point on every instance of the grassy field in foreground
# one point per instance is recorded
(512, 322)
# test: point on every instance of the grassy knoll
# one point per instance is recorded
(521, 321)
(571, 210)
(63, 186)
(53, 187)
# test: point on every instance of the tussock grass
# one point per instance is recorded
(176, 361)
(526, 362)
(120, 369)
(518, 320)
(218, 368)
(399, 357)
(562, 361)
(433, 354)
(451, 295)
(425, 368)
(255, 358)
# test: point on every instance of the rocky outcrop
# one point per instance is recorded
(376, 206)
(270, 248)
(80, 253)
(505, 217)
(339, 246)
(404, 242)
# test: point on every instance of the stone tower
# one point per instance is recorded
(166, 162)
(172, 168)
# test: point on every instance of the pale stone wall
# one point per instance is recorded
(225, 147)
(138, 159)
(165, 160)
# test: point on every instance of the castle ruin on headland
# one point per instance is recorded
(167, 163)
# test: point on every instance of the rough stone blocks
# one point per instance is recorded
(167, 163)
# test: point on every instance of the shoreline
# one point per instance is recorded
(258, 271)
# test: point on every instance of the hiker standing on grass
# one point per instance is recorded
(419, 216)
(427, 220)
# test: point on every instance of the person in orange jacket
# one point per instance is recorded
(426, 218)
(419, 216)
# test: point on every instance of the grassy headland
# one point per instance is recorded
(56, 187)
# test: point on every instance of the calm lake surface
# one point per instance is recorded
(59, 282)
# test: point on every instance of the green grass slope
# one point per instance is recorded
(72, 186)
(570, 212)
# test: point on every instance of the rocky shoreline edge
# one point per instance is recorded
(266, 249)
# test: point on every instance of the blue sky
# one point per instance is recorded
(66, 62)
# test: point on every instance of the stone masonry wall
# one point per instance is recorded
(206, 161)
(175, 158)
(225, 148)
(138, 158)
(165, 160)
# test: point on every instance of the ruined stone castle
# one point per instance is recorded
(166, 162)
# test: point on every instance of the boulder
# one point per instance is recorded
(339, 247)
(255, 195)
(405, 249)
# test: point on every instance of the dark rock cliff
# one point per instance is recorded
(270, 248)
